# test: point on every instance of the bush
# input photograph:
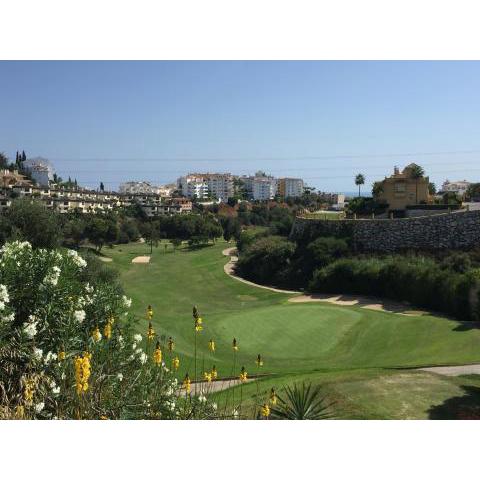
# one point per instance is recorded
(68, 348)
(266, 260)
(418, 280)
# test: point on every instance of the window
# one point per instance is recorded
(400, 187)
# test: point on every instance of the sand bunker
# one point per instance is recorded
(143, 259)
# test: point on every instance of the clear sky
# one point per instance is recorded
(322, 121)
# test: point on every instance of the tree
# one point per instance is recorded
(101, 230)
(432, 189)
(4, 163)
(30, 220)
(74, 231)
(473, 191)
(416, 172)
(151, 233)
(377, 189)
(102, 187)
(359, 180)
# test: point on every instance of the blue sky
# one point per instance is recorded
(323, 121)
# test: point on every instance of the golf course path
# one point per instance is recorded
(228, 267)
(215, 386)
(454, 371)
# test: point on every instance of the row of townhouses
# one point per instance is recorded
(222, 186)
(12, 185)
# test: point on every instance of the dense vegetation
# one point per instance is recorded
(447, 281)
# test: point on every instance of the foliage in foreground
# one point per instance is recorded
(301, 402)
(68, 348)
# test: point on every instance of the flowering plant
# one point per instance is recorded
(69, 349)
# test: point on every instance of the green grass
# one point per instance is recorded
(349, 349)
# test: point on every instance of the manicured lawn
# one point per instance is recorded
(349, 349)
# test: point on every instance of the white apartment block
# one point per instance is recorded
(290, 187)
(459, 187)
(264, 188)
(138, 187)
(204, 185)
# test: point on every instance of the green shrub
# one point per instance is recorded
(68, 348)
(266, 260)
(418, 280)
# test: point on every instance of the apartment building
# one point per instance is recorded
(138, 187)
(264, 188)
(290, 187)
(458, 187)
(207, 185)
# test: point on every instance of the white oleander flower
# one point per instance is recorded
(49, 357)
(9, 318)
(63, 376)
(30, 328)
(235, 413)
(2, 305)
(137, 337)
(143, 358)
(127, 302)
(37, 353)
(55, 388)
(121, 341)
(39, 407)
(138, 351)
(120, 376)
(202, 398)
(88, 288)
(79, 315)
(4, 298)
(214, 406)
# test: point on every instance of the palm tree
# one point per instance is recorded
(416, 172)
(301, 402)
(359, 180)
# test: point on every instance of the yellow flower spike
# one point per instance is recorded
(29, 390)
(111, 320)
(82, 372)
(235, 345)
(175, 363)
(207, 376)
(96, 335)
(170, 344)
(61, 355)
(211, 345)
(265, 410)
(157, 354)
(187, 383)
(150, 332)
(273, 396)
(198, 324)
(214, 373)
(107, 331)
(243, 375)
(19, 412)
(149, 313)
(259, 361)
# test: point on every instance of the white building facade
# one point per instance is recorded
(459, 187)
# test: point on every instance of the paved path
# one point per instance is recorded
(454, 371)
(215, 386)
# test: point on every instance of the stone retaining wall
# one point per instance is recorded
(449, 230)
